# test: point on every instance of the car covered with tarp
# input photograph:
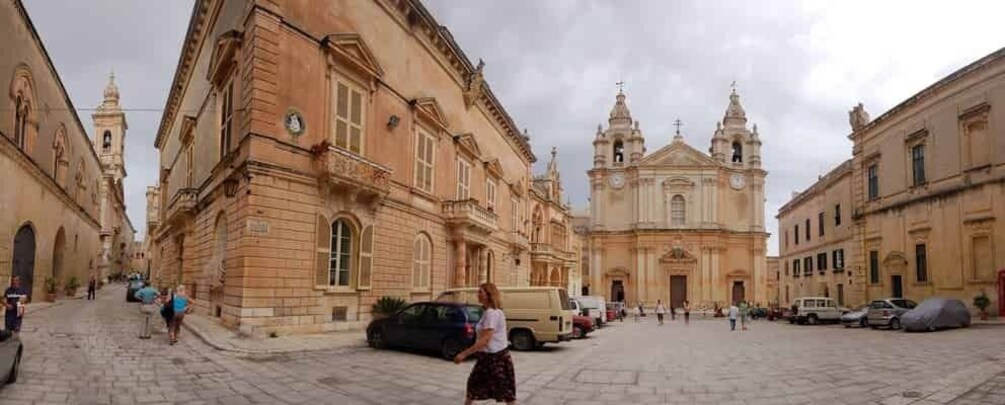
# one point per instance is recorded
(936, 313)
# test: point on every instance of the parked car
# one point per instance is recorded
(888, 312)
(10, 357)
(131, 289)
(937, 313)
(576, 306)
(446, 328)
(594, 306)
(581, 325)
(857, 316)
(758, 312)
(534, 315)
(814, 310)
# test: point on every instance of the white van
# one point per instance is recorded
(534, 315)
(814, 310)
(595, 307)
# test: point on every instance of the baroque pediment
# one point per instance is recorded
(494, 168)
(678, 154)
(351, 48)
(224, 53)
(428, 109)
(467, 145)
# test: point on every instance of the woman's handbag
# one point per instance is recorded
(167, 310)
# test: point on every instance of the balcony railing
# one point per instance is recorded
(341, 168)
(182, 204)
(540, 248)
(467, 213)
(519, 241)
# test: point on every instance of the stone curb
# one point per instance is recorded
(207, 338)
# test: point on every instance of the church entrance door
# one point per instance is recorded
(617, 291)
(738, 293)
(24, 257)
(678, 291)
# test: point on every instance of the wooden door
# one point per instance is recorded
(678, 291)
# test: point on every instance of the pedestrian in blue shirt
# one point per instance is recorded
(148, 295)
(179, 303)
(14, 299)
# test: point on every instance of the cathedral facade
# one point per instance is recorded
(677, 224)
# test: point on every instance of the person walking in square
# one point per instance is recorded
(180, 307)
(14, 299)
(744, 314)
(148, 295)
(92, 287)
(687, 312)
(493, 376)
(660, 311)
(637, 312)
(734, 312)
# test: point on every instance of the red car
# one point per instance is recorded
(581, 325)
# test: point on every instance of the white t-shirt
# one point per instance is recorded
(660, 309)
(494, 319)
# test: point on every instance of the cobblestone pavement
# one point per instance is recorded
(87, 352)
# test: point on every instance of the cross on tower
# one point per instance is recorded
(677, 124)
(733, 86)
(621, 87)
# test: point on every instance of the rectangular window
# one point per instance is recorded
(795, 268)
(786, 239)
(873, 182)
(797, 235)
(918, 164)
(807, 229)
(921, 262)
(820, 223)
(837, 214)
(189, 164)
(226, 118)
(981, 252)
(490, 194)
(348, 117)
(840, 294)
(838, 259)
(808, 265)
(786, 269)
(424, 147)
(513, 224)
(873, 267)
(463, 179)
(978, 140)
(822, 261)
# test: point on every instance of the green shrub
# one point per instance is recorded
(388, 305)
(982, 301)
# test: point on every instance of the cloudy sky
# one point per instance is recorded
(799, 67)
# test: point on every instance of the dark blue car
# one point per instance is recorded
(445, 328)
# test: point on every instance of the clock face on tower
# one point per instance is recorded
(617, 180)
(737, 181)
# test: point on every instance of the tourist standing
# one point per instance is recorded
(733, 313)
(687, 312)
(744, 314)
(92, 287)
(637, 311)
(14, 299)
(180, 307)
(493, 376)
(660, 311)
(148, 295)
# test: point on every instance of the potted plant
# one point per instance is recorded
(71, 286)
(51, 289)
(387, 306)
(982, 302)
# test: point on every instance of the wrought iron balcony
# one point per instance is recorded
(469, 215)
(340, 169)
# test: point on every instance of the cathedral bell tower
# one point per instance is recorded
(732, 143)
(110, 132)
(621, 144)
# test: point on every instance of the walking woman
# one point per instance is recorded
(493, 376)
(179, 303)
(687, 312)
(660, 310)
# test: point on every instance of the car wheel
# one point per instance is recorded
(523, 340)
(450, 349)
(812, 319)
(578, 332)
(376, 339)
(863, 323)
(847, 325)
(14, 368)
(895, 323)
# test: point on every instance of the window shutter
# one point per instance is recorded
(365, 258)
(322, 251)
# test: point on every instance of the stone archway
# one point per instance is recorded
(23, 264)
(556, 278)
(58, 249)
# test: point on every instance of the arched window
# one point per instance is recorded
(106, 143)
(737, 152)
(340, 260)
(19, 121)
(422, 254)
(677, 210)
(619, 151)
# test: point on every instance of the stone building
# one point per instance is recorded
(815, 232)
(318, 156)
(61, 209)
(774, 277)
(553, 244)
(925, 184)
(678, 224)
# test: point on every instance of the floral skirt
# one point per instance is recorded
(493, 378)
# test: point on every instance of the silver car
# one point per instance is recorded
(10, 357)
(887, 312)
(858, 316)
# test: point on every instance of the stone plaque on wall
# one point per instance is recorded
(258, 227)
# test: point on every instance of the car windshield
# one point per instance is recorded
(904, 303)
(563, 297)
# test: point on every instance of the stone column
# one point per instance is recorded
(460, 260)
(483, 265)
